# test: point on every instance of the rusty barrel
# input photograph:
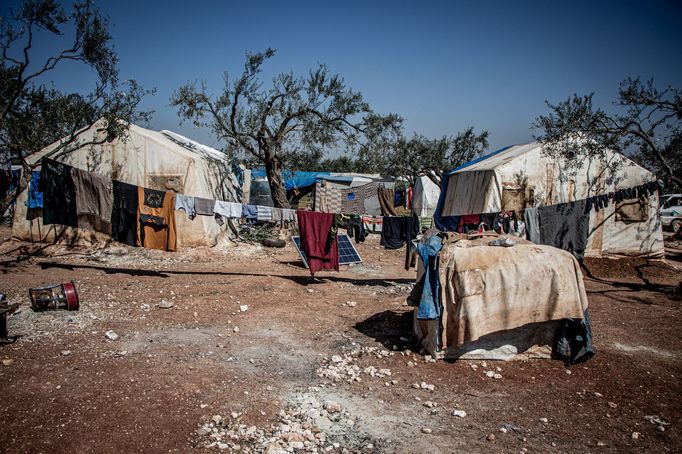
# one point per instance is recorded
(52, 297)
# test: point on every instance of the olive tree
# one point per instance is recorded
(294, 119)
(33, 112)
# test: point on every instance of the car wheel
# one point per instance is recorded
(676, 225)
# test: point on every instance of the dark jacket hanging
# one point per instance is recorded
(59, 195)
(124, 213)
(396, 230)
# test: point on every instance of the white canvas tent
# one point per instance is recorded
(523, 176)
(425, 195)
(157, 160)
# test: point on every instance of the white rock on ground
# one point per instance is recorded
(111, 335)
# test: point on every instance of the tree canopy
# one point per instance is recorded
(34, 113)
(292, 120)
(646, 126)
(422, 156)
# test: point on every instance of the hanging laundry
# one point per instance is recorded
(187, 204)
(356, 228)
(386, 202)
(315, 228)
(250, 212)
(228, 209)
(399, 198)
(353, 201)
(124, 213)
(205, 207)
(59, 194)
(35, 195)
(469, 223)
(565, 226)
(263, 213)
(156, 228)
(94, 200)
(429, 304)
(277, 214)
(328, 199)
(288, 214)
(488, 221)
(532, 224)
(396, 230)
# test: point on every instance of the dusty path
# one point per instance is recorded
(172, 370)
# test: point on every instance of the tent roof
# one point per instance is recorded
(504, 155)
(496, 158)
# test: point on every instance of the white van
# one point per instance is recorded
(671, 211)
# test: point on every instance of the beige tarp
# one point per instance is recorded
(499, 302)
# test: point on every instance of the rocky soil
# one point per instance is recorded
(238, 349)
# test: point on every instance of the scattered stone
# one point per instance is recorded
(430, 404)
(309, 290)
(351, 303)
(544, 420)
(235, 329)
(601, 444)
(120, 353)
(459, 413)
(611, 404)
(111, 335)
(473, 366)
(243, 308)
(635, 435)
(332, 407)
(216, 419)
(426, 430)
(598, 395)
(165, 304)
(653, 419)
(66, 352)
(490, 437)
(203, 431)
(503, 430)
(497, 376)
(568, 372)
(490, 374)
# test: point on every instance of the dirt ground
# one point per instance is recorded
(260, 375)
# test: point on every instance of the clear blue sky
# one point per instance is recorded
(441, 65)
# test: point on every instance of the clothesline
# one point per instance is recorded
(130, 214)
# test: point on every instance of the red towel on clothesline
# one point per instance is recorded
(314, 228)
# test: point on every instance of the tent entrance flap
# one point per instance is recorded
(472, 192)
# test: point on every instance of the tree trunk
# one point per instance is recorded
(273, 170)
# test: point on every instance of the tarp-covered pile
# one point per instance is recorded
(496, 302)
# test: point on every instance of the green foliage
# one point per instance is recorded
(647, 127)
(419, 155)
(33, 113)
(291, 122)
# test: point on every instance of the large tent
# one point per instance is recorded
(425, 194)
(157, 160)
(522, 176)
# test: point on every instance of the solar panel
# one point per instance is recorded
(347, 252)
